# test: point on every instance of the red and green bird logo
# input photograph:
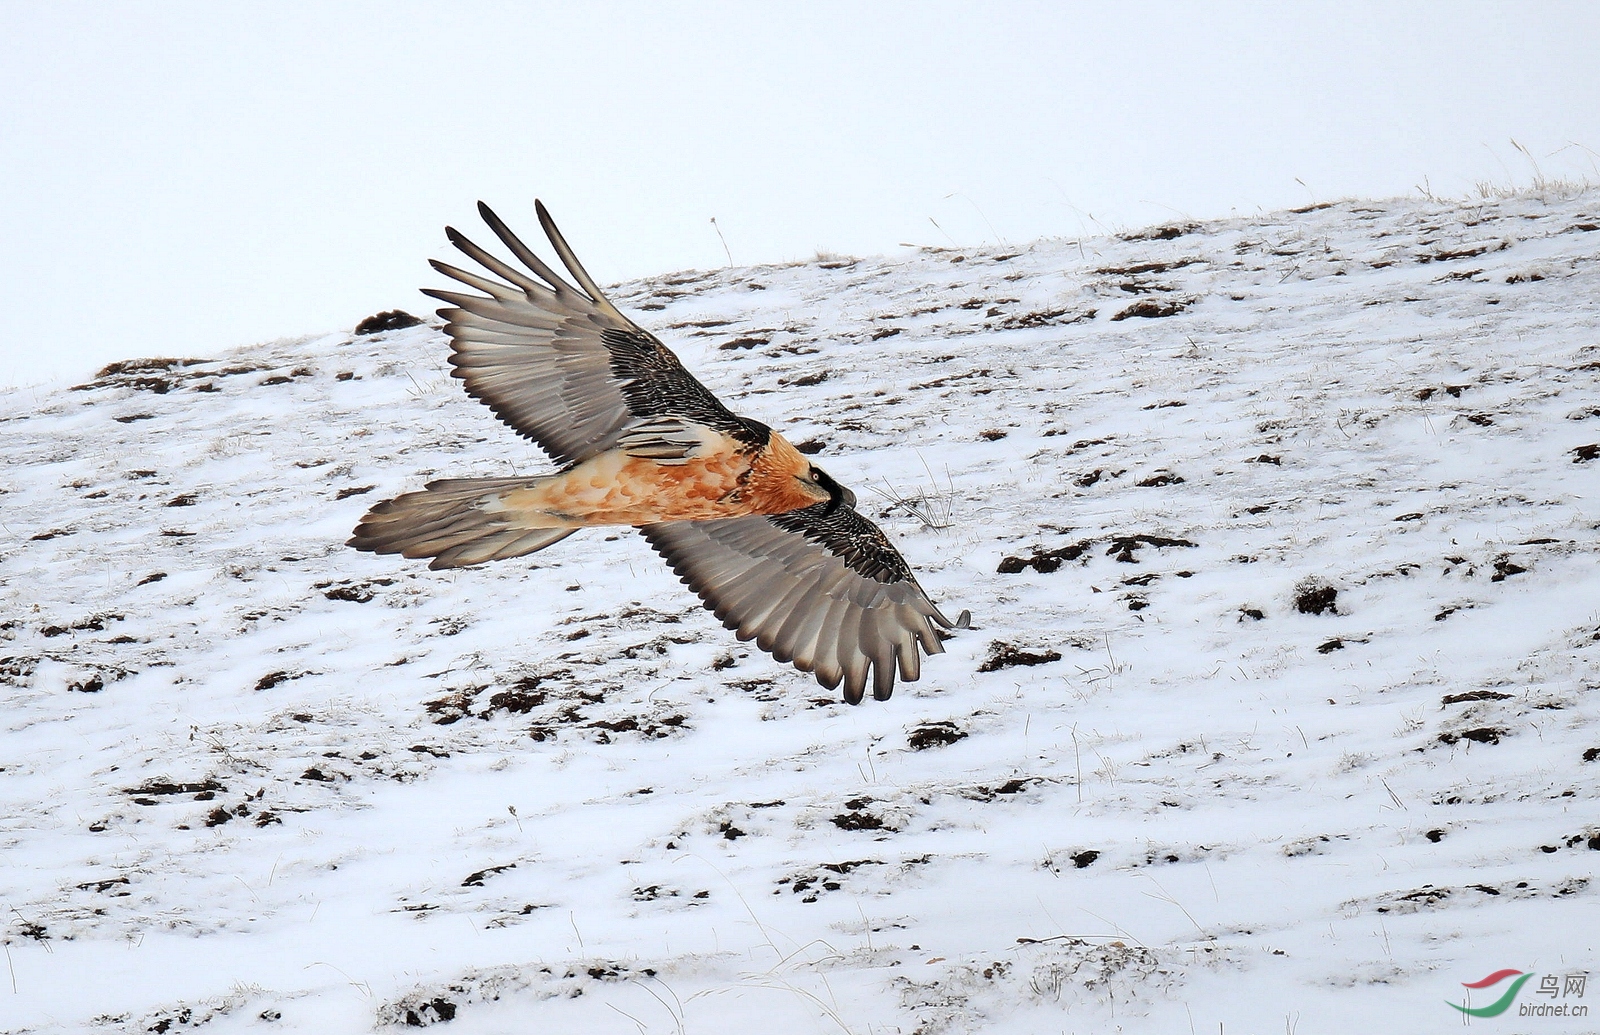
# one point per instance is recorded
(1501, 1005)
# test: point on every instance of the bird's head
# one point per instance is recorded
(820, 486)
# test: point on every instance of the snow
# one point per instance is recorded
(255, 781)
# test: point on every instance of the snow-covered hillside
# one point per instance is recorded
(1278, 712)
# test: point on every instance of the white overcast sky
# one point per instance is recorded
(180, 178)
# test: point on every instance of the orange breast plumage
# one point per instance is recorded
(617, 489)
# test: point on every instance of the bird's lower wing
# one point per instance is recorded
(822, 589)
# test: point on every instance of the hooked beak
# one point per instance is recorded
(837, 493)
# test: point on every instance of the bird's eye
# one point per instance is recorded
(816, 475)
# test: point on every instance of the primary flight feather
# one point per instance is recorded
(769, 542)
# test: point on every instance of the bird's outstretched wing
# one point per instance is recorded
(559, 363)
(821, 587)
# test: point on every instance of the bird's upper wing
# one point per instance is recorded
(824, 590)
(561, 364)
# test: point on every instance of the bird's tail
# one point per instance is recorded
(457, 522)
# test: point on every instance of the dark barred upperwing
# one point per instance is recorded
(559, 363)
(826, 591)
